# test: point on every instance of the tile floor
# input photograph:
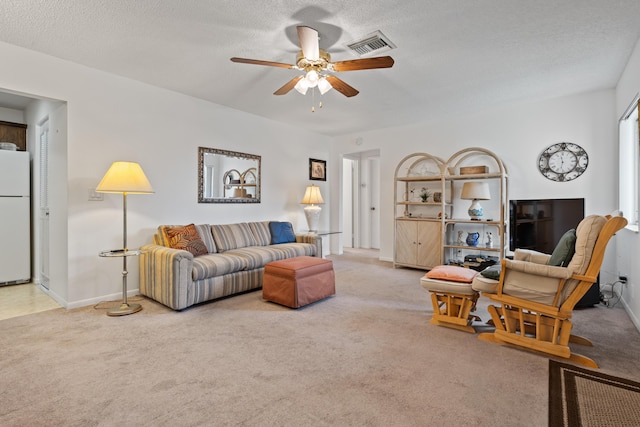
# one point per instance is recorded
(28, 298)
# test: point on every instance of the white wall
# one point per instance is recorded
(628, 242)
(518, 134)
(11, 115)
(112, 118)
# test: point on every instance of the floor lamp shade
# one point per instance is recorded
(124, 178)
(475, 191)
(312, 198)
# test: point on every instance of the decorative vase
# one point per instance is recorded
(472, 239)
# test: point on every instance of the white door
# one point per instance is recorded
(43, 208)
(361, 199)
(347, 203)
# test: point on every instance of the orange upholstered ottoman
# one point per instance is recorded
(296, 282)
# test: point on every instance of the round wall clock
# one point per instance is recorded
(563, 161)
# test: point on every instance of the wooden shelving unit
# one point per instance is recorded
(426, 233)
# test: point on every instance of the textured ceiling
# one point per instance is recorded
(452, 56)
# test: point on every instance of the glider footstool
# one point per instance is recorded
(452, 296)
(299, 281)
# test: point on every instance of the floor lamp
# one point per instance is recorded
(124, 178)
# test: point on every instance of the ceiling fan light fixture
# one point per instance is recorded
(302, 86)
(324, 86)
(312, 78)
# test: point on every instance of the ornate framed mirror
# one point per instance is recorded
(228, 176)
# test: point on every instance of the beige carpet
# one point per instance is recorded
(366, 356)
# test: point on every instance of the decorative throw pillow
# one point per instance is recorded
(452, 273)
(281, 232)
(492, 272)
(186, 238)
(565, 249)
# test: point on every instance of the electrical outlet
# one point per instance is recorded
(622, 278)
(94, 196)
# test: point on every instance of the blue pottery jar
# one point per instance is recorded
(472, 239)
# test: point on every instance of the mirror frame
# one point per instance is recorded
(205, 150)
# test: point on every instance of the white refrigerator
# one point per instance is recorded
(15, 217)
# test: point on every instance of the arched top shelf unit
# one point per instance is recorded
(420, 165)
(472, 156)
(430, 211)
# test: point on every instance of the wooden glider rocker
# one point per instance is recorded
(536, 300)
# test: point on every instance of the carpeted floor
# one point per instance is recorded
(580, 397)
(366, 356)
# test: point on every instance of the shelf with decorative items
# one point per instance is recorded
(458, 231)
(479, 219)
(239, 185)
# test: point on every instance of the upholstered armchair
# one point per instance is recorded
(535, 299)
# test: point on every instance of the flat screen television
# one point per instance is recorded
(539, 224)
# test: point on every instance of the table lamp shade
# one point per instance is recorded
(312, 196)
(125, 177)
(475, 191)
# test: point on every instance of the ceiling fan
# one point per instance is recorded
(316, 64)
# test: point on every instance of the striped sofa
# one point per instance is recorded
(233, 263)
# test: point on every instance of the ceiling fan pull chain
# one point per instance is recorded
(313, 99)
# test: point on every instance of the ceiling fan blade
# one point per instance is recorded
(259, 62)
(309, 44)
(363, 64)
(287, 86)
(342, 87)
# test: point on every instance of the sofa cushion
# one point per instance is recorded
(564, 250)
(257, 256)
(261, 232)
(281, 232)
(185, 238)
(204, 231)
(292, 250)
(232, 236)
(212, 265)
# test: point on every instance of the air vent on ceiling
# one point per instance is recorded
(373, 43)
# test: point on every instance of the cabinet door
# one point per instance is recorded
(406, 242)
(429, 248)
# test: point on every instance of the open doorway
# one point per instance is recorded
(48, 186)
(361, 200)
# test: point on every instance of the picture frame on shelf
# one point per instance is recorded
(317, 170)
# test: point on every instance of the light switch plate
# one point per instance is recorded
(95, 196)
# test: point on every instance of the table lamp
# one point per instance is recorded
(312, 198)
(124, 178)
(475, 191)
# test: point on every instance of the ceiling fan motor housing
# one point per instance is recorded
(320, 64)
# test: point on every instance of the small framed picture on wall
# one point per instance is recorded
(317, 170)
